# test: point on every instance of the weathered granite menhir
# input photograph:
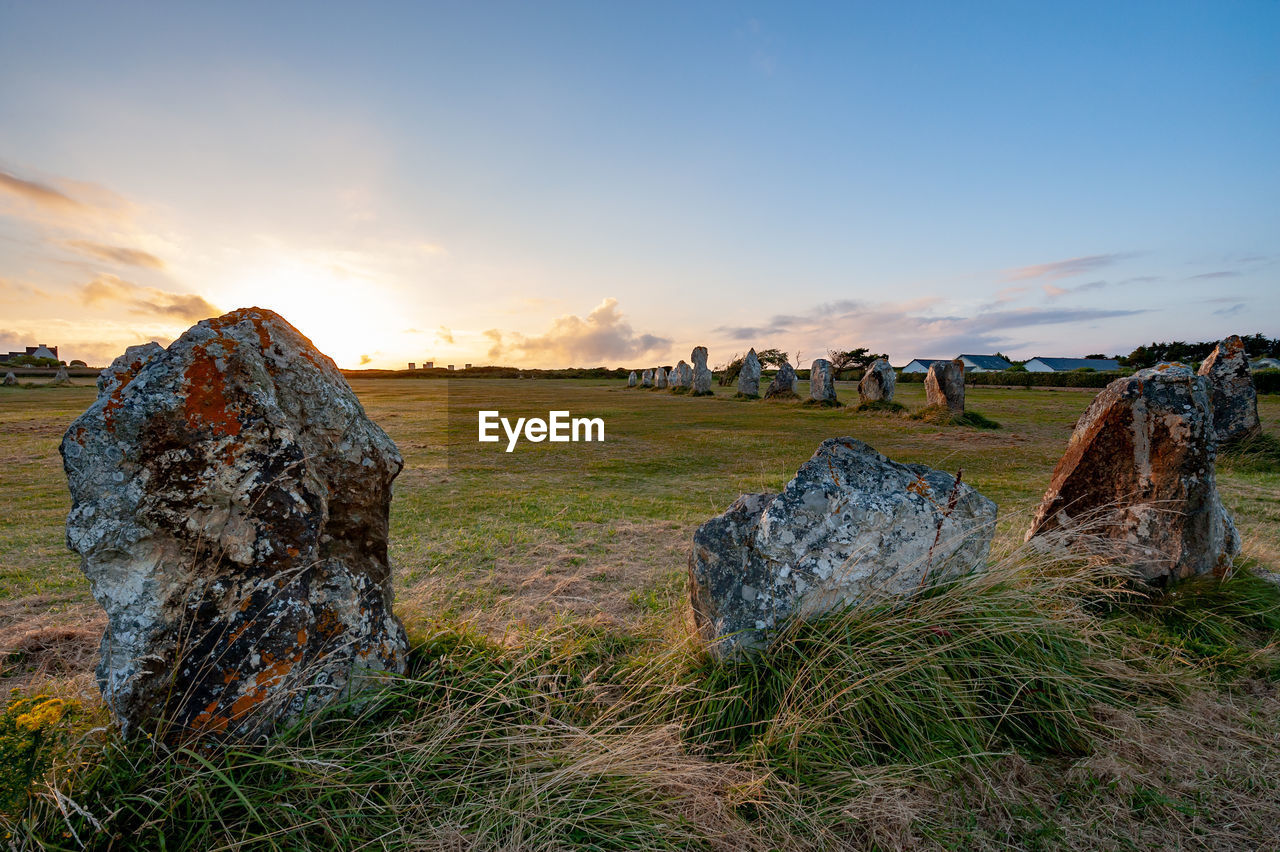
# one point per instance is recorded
(632, 379)
(660, 377)
(749, 376)
(646, 379)
(1235, 400)
(1137, 480)
(701, 373)
(10, 379)
(944, 385)
(822, 383)
(229, 504)
(783, 385)
(877, 383)
(851, 527)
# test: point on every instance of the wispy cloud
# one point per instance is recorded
(1052, 291)
(117, 254)
(603, 336)
(147, 301)
(1067, 268)
(1222, 273)
(39, 194)
(444, 335)
(1226, 312)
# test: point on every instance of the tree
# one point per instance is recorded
(860, 358)
(775, 358)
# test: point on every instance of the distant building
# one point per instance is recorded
(450, 366)
(466, 367)
(1066, 365)
(40, 351)
(921, 365)
(428, 365)
(413, 366)
(984, 363)
(1264, 364)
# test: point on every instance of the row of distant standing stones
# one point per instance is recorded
(944, 383)
(230, 503)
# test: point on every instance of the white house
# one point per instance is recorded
(920, 365)
(984, 363)
(1264, 364)
(1066, 365)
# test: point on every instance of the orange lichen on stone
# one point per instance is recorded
(206, 405)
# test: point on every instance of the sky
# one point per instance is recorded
(553, 184)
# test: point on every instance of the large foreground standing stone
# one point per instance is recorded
(749, 375)
(852, 527)
(783, 385)
(1235, 400)
(632, 379)
(701, 375)
(229, 504)
(822, 383)
(944, 385)
(1138, 475)
(660, 377)
(877, 383)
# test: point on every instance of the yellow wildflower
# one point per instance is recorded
(43, 715)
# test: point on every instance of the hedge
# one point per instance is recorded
(1025, 379)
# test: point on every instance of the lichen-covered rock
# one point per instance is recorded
(944, 385)
(749, 375)
(10, 378)
(632, 379)
(783, 385)
(822, 383)
(681, 378)
(646, 379)
(701, 374)
(229, 504)
(1138, 476)
(1235, 400)
(877, 383)
(852, 527)
(660, 377)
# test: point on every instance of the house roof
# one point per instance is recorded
(987, 362)
(925, 361)
(1067, 364)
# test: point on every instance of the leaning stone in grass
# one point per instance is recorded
(631, 379)
(1235, 401)
(10, 379)
(61, 378)
(944, 385)
(229, 504)
(1138, 479)
(852, 527)
(783, 385)
(749, 376)
(877, 383)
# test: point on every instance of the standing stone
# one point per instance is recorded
(749, 375)
(229, 504)
(61, 378)
(944, 385)
(646, 379)
(822, 383)
(1138, 475)
(681, 377)
(783, 385)
(877, 383)
(660, 377)
(1235, 400)
(852, 527)
(631, 379)
(10, 378)
(701, 375)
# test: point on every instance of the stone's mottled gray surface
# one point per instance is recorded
(877, 383)
(229, 504)
(852, 527)
(681, 377)
(61, 378)
(1138, 476)
(646, 379)
(10, 378)
(783, 385)
(660, 377)
(749, 377)
(632, 379)
(822, 383)
(944, 385)
(1235, 400)
(701, 374)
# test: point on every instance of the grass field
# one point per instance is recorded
(567, 561)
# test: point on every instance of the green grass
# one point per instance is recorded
(886, 406)
(556, 700)
(940, 415)
(1258, 453)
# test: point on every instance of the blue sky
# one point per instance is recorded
(605, 183)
